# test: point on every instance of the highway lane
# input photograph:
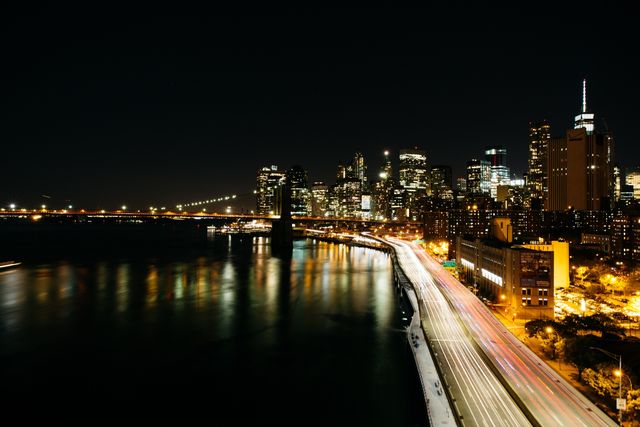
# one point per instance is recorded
(546, 395)
(479, 396)
(439, 408)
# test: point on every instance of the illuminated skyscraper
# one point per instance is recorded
(359, 169)
(585, 119)
(366, 205)
(539, 137)
(633, 179)
(268, 180)
(617, 183)
(341, 172)
(382, 190)
(414, 180)
(461, 184)
(349, 198)
(319, 199)
(580, 166)
(387, 170)
(298, 182)
(413, 170)
(398, 203)
(345, 199)
(478, 176)
(440, 180)
(497, 158)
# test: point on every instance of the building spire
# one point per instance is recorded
(584, 95)
(583, 119)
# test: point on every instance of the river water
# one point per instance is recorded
(226, 333)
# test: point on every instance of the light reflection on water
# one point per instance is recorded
(324, 325)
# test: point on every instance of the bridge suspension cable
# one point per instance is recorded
(212, 200)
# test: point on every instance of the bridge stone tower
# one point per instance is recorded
(282, 228)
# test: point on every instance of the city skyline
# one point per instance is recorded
(246, 201)
(167, 109)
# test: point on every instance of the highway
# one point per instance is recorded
(479, 397)
(546, 397)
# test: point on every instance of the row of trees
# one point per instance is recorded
(575, 340)
(599, 278)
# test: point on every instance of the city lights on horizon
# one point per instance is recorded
(397, 198)
(14, 207)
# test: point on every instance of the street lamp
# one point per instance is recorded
(630, 384)
(620, 403)
(549, 330)
(620, 373)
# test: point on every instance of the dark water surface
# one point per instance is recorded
(222, 335)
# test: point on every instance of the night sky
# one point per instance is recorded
(157, 105)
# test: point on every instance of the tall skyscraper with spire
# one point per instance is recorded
(387, 170)
(580, 166)
(585, 119)
(382, 190)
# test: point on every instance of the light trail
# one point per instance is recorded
(480, 399)
(545, 395)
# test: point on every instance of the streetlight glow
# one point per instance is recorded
(620, 403)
